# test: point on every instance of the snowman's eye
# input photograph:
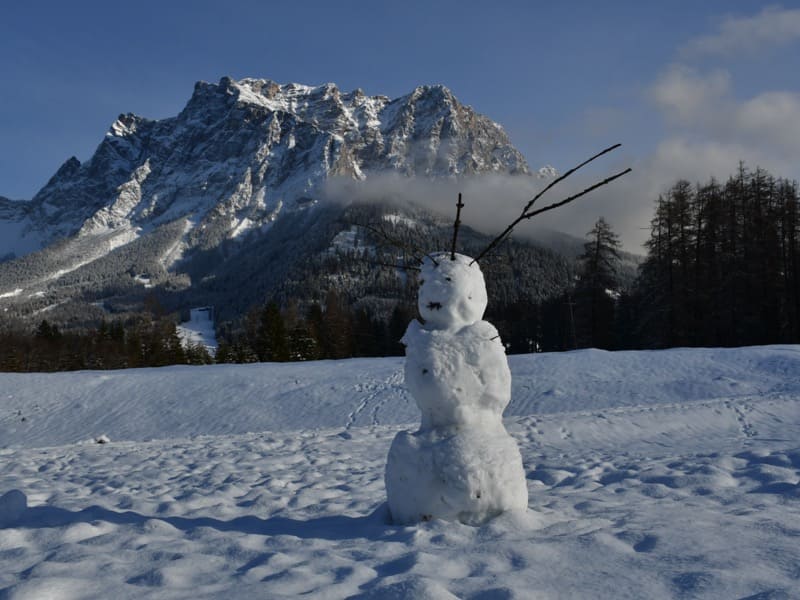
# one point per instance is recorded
(422, 282)
(449, 278)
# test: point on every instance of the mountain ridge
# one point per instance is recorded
(180, 201)
(294, 137)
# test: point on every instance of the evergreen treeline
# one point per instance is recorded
(583, 315)
(144, 343)
(351, 301)
(723, 265)
(333, 330)
(722, 269)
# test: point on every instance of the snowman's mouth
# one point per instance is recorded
(435, 305)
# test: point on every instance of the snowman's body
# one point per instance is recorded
(461, 464)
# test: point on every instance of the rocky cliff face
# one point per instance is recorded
(240, 156)
(243, 152)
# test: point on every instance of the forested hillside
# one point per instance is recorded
(722, 269)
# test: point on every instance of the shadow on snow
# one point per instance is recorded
(374, 526)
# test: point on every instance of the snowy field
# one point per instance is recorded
(669, 474)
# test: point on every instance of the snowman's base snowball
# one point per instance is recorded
(457, 474)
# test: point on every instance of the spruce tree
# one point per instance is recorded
(597, 288)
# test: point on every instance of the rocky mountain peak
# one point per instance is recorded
(69, 169)
(241, 155)
(125, 125)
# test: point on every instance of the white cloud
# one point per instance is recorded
(772, 27)
(494, 201)
(686, 95)
(773, 118)
(710, 128)
(695, 160)
(491, 201)
(626, 204)
(701, 108)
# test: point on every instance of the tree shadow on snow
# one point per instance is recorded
(374, 526)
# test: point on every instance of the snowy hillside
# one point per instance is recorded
(665, 474)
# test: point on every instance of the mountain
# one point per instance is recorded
(230, 188)
(241, 153)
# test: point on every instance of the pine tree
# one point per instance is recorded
(336, 334)
(272, 342)
(597, 287)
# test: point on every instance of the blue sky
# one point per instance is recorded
(689, 88)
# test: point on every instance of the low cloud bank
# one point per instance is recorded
(493, 201)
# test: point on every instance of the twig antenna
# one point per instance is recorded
(459, 206)
(527, 213)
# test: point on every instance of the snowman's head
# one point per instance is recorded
(452, 293)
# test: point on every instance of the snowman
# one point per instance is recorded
(461, 465)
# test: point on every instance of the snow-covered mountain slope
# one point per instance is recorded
(176, 194)
(15, 230)
(242, 152)
(666, 474)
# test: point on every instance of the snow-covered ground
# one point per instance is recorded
(669, 474)
(199, 329)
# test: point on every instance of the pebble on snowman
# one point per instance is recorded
(462, 464)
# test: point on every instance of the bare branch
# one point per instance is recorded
(605, 181)
(389, 265)
(561, 178)
(527, 213)
(413, 251)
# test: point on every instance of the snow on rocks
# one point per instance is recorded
(461, 464)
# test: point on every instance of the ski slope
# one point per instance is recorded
(199, 330)
(663, 474)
